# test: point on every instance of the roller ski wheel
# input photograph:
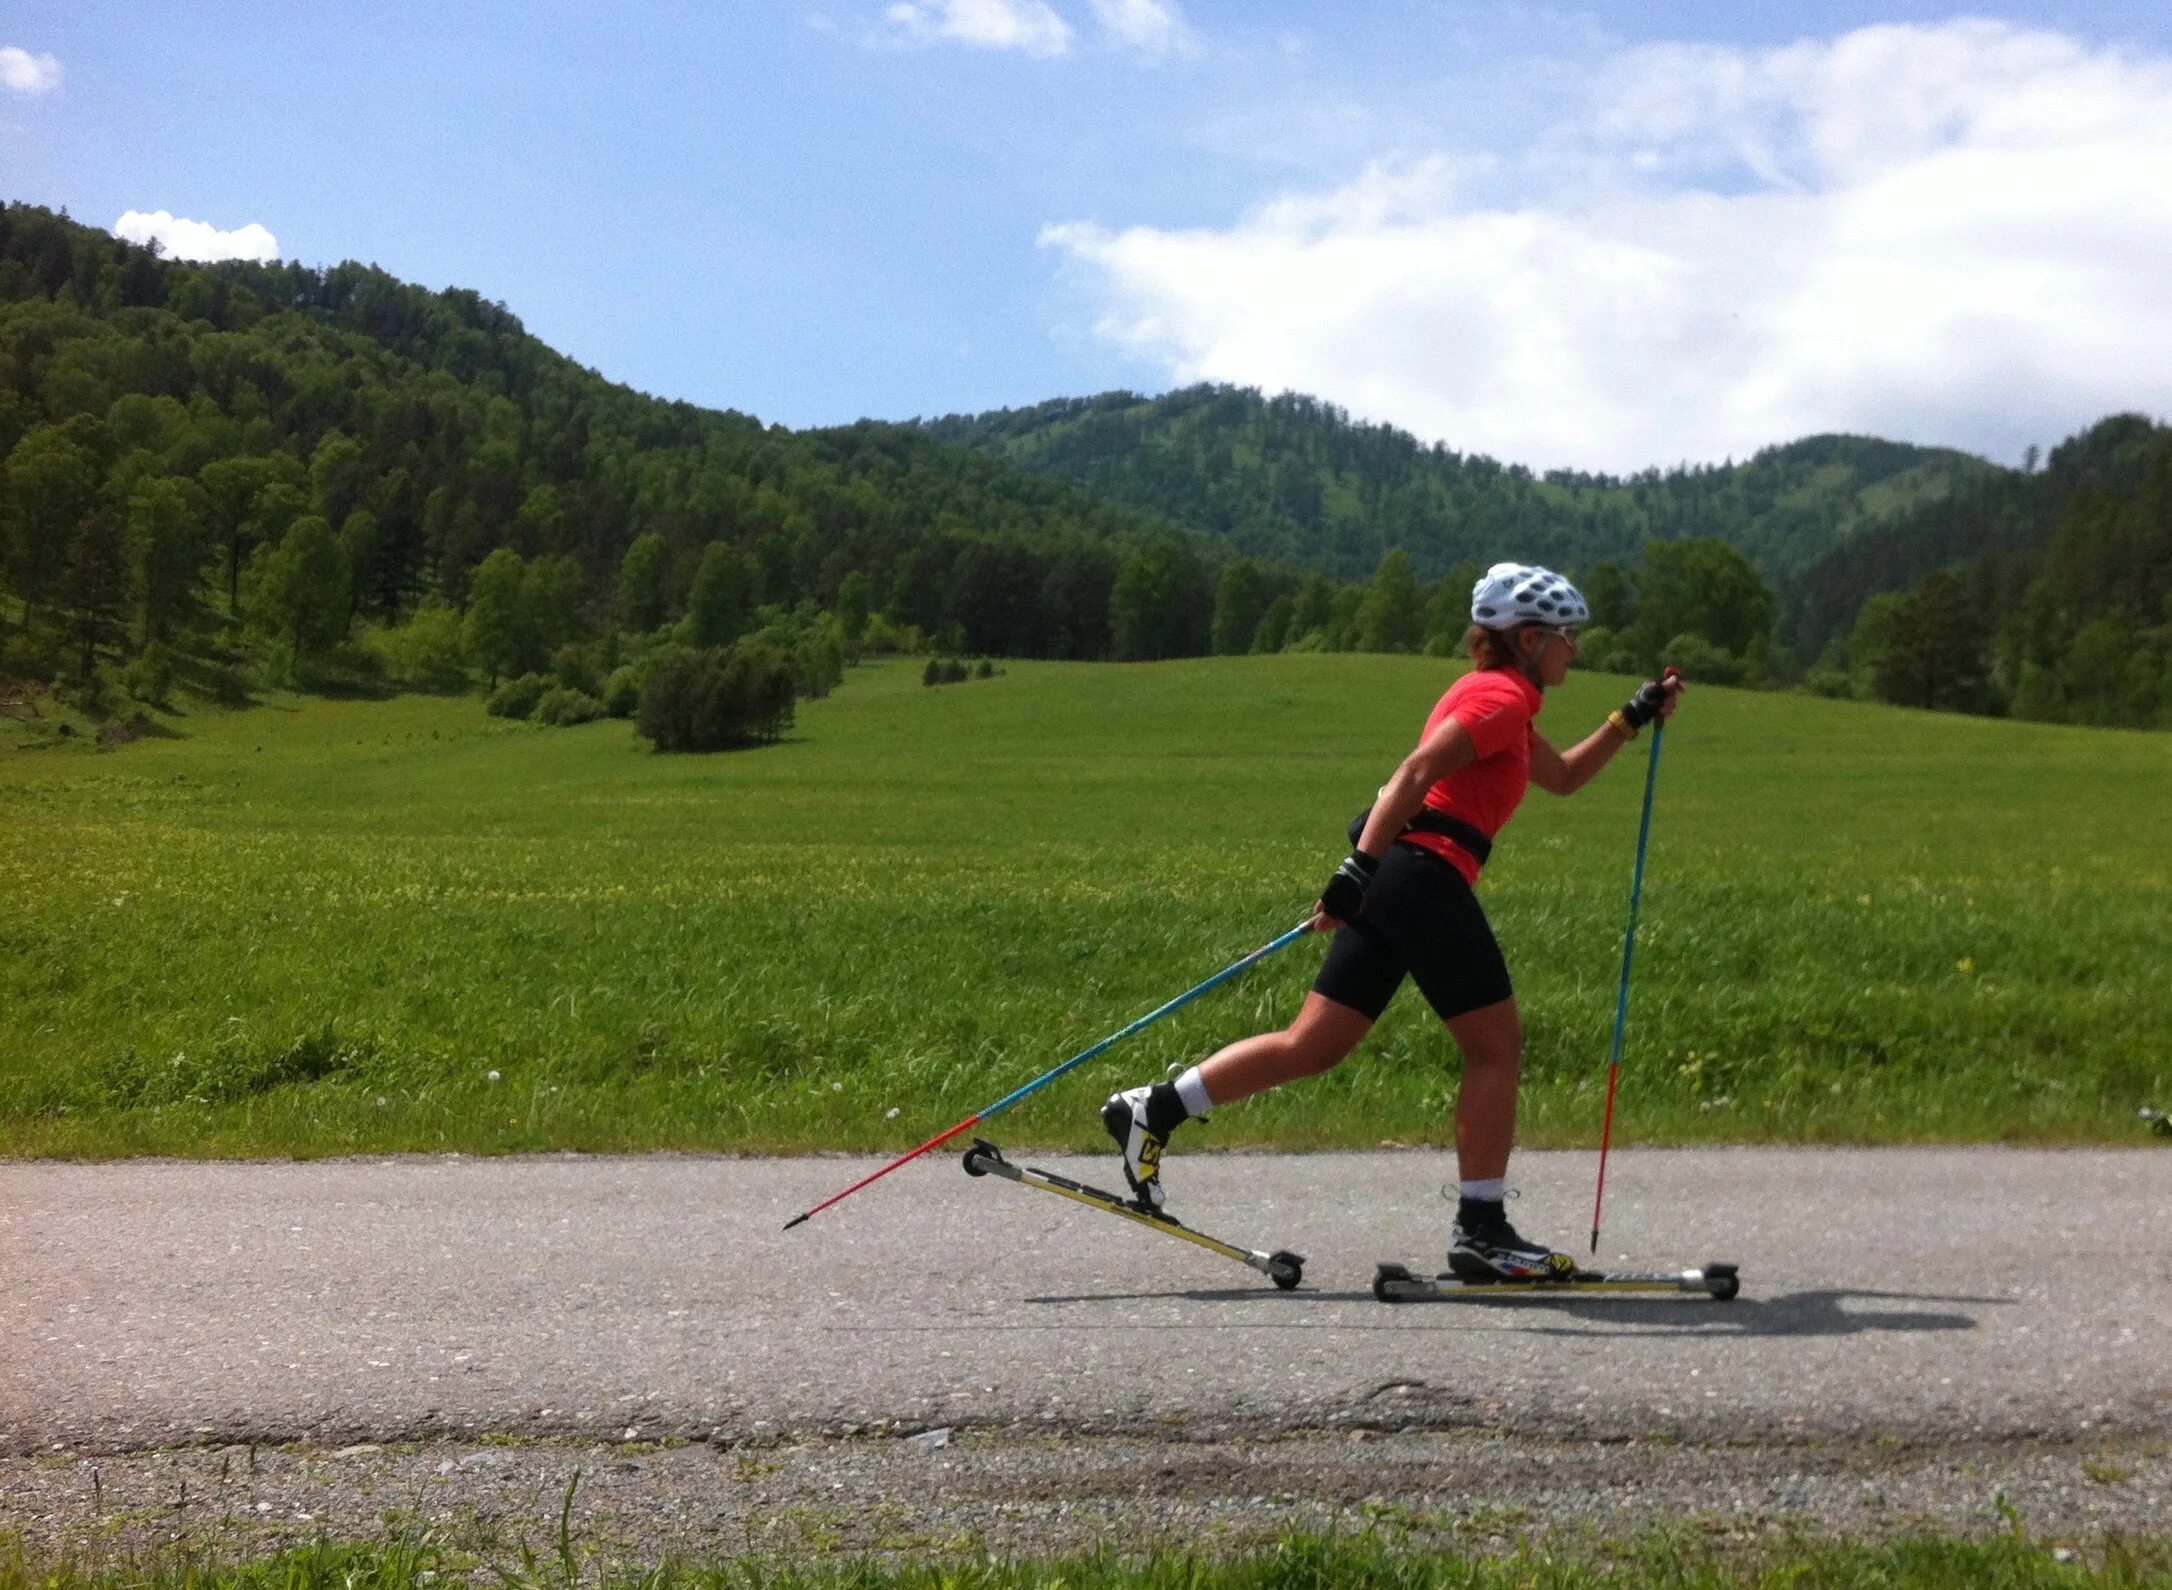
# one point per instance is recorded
(981, 1158)
(1286, 1269)
(1389, 1279)
(1722, 1282)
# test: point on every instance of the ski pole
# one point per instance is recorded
(1084, 1055)
(1628, 953)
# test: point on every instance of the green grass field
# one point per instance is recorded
(1683, 1558)
(318, 926)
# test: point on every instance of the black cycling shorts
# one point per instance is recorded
(1421, 921)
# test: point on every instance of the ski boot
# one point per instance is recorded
(1485, 1247)
(1141, 1119)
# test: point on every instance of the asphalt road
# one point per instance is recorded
(1972, 1294)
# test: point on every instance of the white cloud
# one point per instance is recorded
(179, 238)
(1155, 26)
(1026, 25)
(27, 73)
(1950, 234)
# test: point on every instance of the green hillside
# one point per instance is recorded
(178, 441)
(320, 927)
(1295, 479)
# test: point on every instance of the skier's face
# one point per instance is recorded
(1547, 652)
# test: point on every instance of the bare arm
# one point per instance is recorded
(1566, 772)
(1446, 750)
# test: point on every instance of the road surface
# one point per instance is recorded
(1975, 1295)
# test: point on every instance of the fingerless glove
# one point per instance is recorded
(1644, 706)
(1344, 896)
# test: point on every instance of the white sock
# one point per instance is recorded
(1492, 1191)
(1192, 1089)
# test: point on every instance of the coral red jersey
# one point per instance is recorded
(1495, 707)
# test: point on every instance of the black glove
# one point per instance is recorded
(1344, 896)
(1644, 706)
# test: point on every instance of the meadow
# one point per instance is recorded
(321, 926)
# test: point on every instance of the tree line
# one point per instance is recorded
(1295, 479)
(237, 472)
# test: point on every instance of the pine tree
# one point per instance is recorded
(641, 584)
(1391, 616)
(496, 631)
(1240, 597)
(94, 585)
(716, 612)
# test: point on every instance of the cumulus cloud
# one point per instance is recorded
(180, 238)
(1030, 26)
(27, 73)
(1950, 234)
(1155, 26)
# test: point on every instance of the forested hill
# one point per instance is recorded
(212, 408)
(2046, 595)
(1295, 479)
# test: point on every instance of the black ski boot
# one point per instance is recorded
(1485, 1247)
(1141, 1119)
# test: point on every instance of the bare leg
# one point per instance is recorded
(1491, 1038)
(1320, 1039)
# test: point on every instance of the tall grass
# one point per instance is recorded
(320, 927)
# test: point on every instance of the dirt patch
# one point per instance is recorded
(138, 726)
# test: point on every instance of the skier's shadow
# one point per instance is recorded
(1812, 1313)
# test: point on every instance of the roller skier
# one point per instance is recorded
(1402, 905)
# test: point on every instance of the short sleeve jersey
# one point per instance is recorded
(1495, 707)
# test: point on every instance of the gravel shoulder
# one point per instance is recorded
(1028, 1492)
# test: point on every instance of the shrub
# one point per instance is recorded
(718, 699)
(986, 670)
(933, 673)
(622, 692)
(150, 677)
(1700, 660)
(93, 697)
(1596, 649)
(883, 637)
(422, 654)
(562, 708)
(516, 698)
(576, 669)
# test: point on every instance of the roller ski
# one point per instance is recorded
(1283, 1268)
(1395, 1283)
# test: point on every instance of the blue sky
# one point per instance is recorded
(1599, 238)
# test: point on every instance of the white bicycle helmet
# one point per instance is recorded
(1509, 594)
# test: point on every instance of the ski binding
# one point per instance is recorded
(1395, 1283)
(1282, 1267)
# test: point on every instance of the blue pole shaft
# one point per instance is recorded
(1628, 957)
(1152, 1016)
(1636, 891)
(1004, 1103)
